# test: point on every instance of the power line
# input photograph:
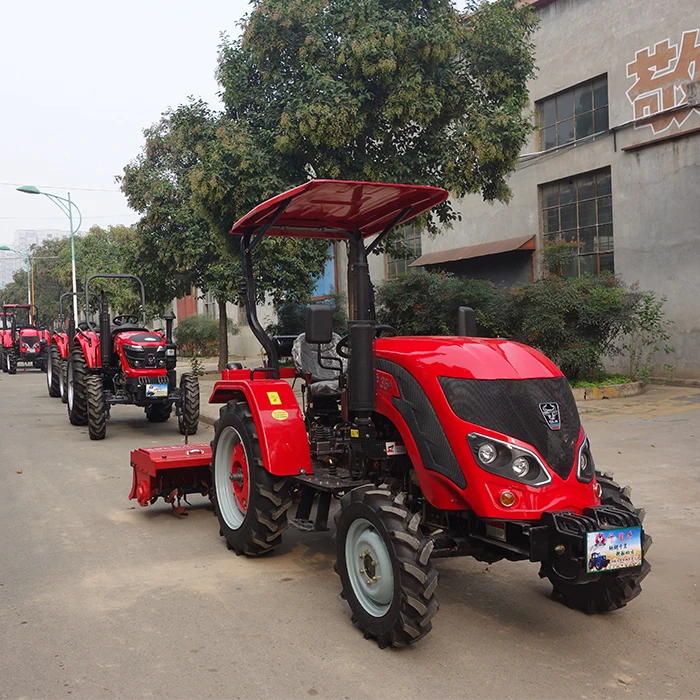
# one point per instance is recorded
(53, 187)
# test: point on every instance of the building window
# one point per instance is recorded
(579, 210)
(211, 306)
(412, 245)
(325, 286)
(573, 114)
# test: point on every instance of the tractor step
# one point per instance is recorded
(330, 483)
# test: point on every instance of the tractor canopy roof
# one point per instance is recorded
(334, 208)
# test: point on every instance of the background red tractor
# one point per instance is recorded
(123, 362)
(25, 342)
(57, 354)
(6, 315)
(434, 446)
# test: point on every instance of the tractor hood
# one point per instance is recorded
(467, 358)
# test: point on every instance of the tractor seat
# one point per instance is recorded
(324, 382)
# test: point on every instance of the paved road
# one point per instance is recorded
(102, 600)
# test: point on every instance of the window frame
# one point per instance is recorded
(399, 266)
(601, 202)
(595, 112)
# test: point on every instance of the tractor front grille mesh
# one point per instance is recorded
(512, 407)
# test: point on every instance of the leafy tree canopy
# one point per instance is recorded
(390, 90)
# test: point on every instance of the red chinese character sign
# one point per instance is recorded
(661, 76)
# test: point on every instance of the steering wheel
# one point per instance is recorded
(383, 327)
(342, 347)
(122, 319)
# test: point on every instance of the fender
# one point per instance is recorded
(61, 341)
(277, 416)
(89, 343)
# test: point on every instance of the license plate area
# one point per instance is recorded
(610, 550)
(156, 391)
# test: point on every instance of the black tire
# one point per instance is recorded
(63, 380)
(76, 389)
(188, 418)
(3, 363)
(258, 529)
(53, 371)
(12, 359)
(158, 412)
(407, 617)
(96, 407)
(614, 589)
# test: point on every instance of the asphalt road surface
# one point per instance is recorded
(101, 599)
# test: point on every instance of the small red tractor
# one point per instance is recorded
(434, 446)
(25, 342)
(123, 362)
(57, 356)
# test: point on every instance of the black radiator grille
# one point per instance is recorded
(512, 407)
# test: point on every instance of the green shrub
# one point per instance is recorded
(198, 335)
(424, 303)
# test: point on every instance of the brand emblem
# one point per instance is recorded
(550, 412)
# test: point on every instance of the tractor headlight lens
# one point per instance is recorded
(520, 467)
(508, 460)
(487, 453)
(585, 467)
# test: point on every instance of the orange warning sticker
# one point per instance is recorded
(274, 398)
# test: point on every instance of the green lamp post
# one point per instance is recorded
(66, 206)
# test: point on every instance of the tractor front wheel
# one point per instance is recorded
(383, 561)
(76, 388)
(158, 412)
(96, 407)
(53, 371)
(613, 590)
(251, 504)
(63, 380)
(3, 363)
(11, 359)
(188, 417)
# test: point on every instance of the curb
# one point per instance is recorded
(608, 391)
(683, 383)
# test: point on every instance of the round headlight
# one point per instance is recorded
(487, 453)
(520, 466)
(584, 462)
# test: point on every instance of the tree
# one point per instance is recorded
(389, 90)
(196, 175)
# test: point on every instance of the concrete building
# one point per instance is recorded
(22, 241)
(614, 165)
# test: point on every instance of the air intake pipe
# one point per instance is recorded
(169, 317)
(105, 332)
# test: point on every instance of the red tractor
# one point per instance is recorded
(434, 446)
(25, 342)
(123, 362)
(57, 355)
(5, 332)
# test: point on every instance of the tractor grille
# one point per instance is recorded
(30, 339)
(512, 407)
(148, 357)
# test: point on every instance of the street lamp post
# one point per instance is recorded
(66, 206)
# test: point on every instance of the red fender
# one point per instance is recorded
(276, 413)
(61, 340)
(89, 343)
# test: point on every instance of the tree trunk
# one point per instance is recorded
(223, 335)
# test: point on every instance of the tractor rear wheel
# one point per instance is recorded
(12, 360)
(158, 412)
(3, 363)
(53, 371)
(612, 590)
(384, 566)
(96, 407)
(63, 383)
(251, 504)
(188, 418)
(75, 385)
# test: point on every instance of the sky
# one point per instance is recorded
(79, 81)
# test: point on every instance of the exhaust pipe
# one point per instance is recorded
(105, 332)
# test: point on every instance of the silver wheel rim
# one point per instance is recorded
(49, 369)
(229, 508)
(369, 567)
(70, 386)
